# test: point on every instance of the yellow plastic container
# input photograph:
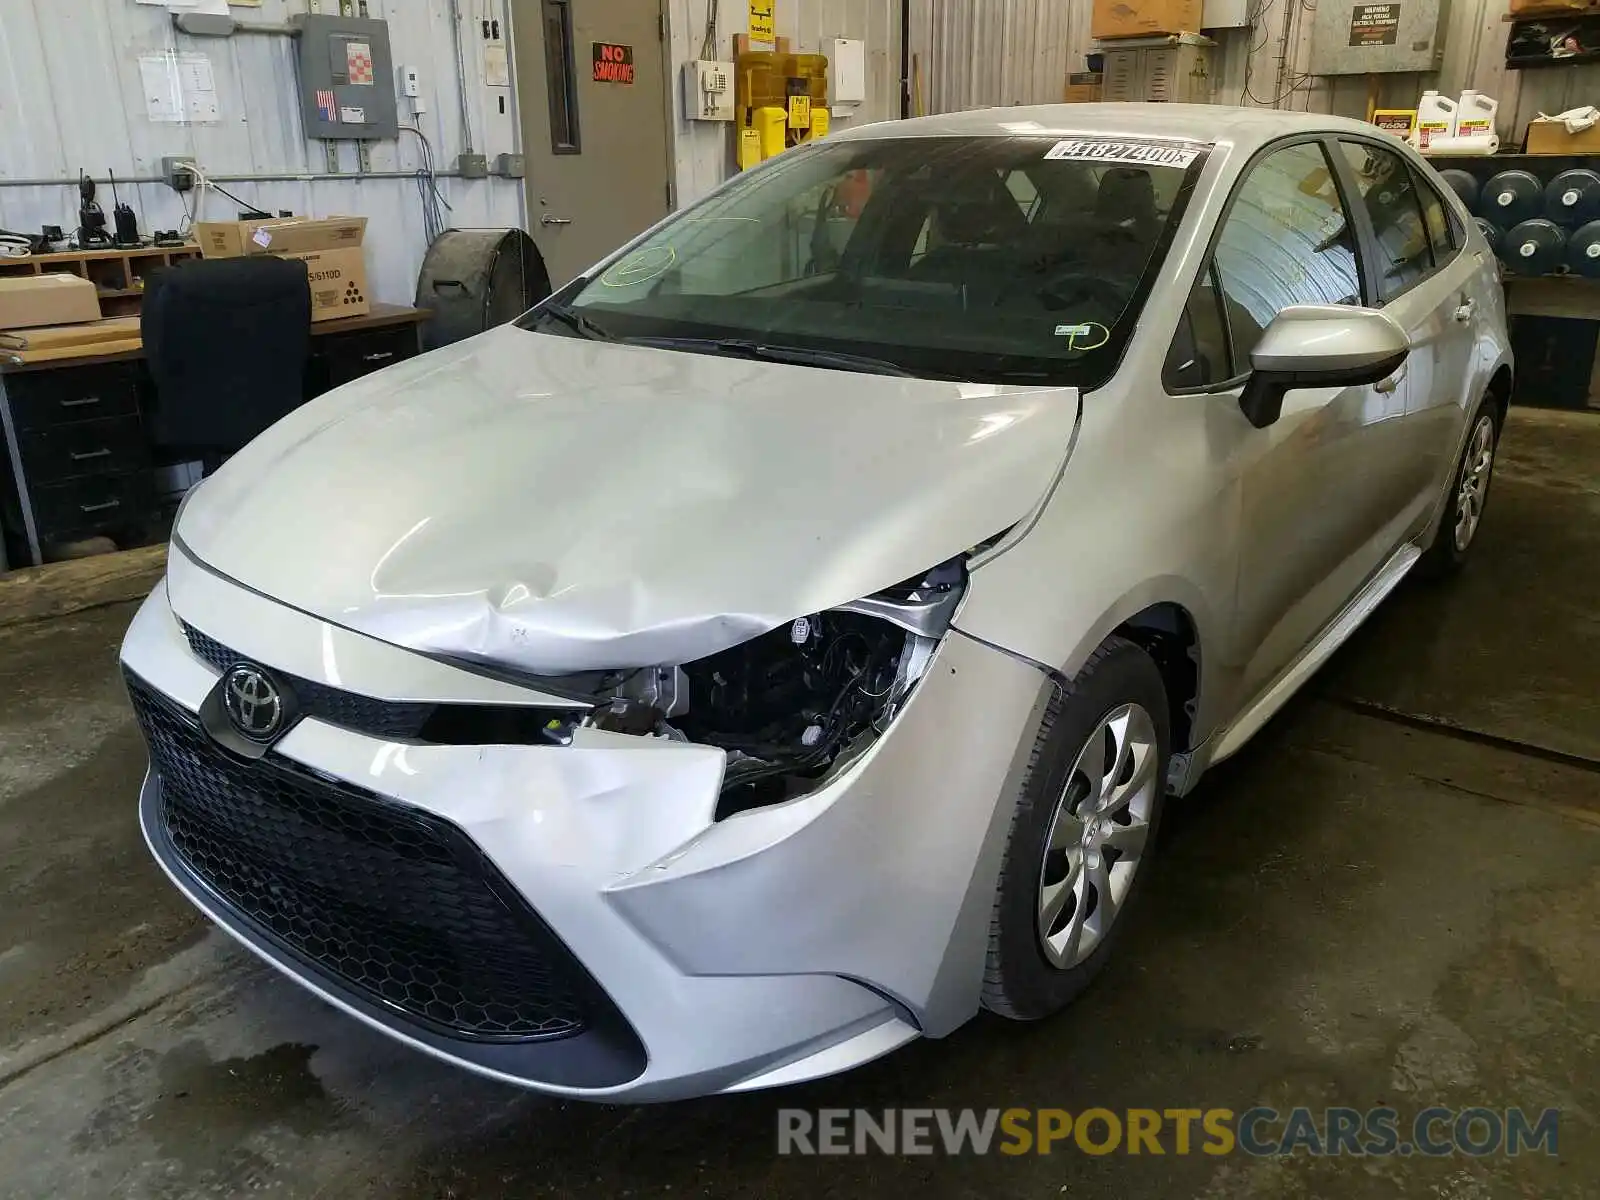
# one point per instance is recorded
(771, 125)
(749, 148)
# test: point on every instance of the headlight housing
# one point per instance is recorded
(795, 705)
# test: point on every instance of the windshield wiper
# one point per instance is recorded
(797, 355)
(575, 321)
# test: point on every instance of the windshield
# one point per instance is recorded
(1017, 259)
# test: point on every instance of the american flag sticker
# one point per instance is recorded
(327, 108)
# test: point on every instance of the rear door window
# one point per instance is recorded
(1441, 233)
(1385, 186)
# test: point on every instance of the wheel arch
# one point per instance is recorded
(1499, 387)
(1167, 616)
(1169, 634)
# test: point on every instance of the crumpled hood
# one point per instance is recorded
(556, 505)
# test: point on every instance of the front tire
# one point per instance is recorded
(1084, 827)
(1468, 496)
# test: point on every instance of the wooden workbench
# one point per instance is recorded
(77, 463)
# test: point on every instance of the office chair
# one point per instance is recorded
(227, 342)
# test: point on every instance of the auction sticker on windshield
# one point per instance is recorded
(1152, 154)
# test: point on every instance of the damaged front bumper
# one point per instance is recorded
(673, 953)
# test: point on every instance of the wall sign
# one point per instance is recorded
(763, 28)
(613, 63)
(1374, 24)
(179, 88)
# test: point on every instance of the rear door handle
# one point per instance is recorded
(1465, 309)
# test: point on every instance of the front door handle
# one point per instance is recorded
(549, 220)
(1465, 309)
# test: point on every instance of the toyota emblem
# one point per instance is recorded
(253, 702)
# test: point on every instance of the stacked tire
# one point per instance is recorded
(1548, 226)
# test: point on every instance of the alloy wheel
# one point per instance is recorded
(1476, 468)
(1098, 835)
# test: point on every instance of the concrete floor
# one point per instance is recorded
(1391, 897)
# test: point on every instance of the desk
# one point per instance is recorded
(77, 462)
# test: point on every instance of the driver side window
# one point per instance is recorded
(1286, 239)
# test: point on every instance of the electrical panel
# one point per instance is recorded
(708, 91)
(347, 80)
(1226, 14)
(849, 60)
(1357, 37)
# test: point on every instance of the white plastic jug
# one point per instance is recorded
(1436, 117)
(1475, 115)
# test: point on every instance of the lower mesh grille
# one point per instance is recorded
(397, 904)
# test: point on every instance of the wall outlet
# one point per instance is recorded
(473, 166)
(708, 91)
(510, 166)
(179, 178)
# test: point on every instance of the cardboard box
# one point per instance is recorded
(338, 282)
(331, 250)
(1143, 18)
(1546, 7)
(1551, 137)
(281, 235)
(1083, 87)
(28, 301)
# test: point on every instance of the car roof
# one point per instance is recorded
(1243, 127)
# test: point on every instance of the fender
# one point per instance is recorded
(1101, 551)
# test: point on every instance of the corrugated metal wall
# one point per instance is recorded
(979, 53)
(70, 97)
(976, 53)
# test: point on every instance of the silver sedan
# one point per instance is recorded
(781, 643)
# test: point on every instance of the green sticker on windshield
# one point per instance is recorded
(1088, 335)
(641, 267)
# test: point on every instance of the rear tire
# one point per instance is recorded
(1084, 828)
(1468, 496)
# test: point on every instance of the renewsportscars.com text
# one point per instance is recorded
(1261, 1132)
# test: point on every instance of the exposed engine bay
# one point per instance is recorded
(791, 705)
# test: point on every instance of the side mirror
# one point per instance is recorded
(1319, 345)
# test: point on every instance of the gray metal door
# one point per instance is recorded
(593, 106)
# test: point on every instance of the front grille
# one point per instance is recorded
(445, 724)
(348, 710)
(209, 649)
(396, 903)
